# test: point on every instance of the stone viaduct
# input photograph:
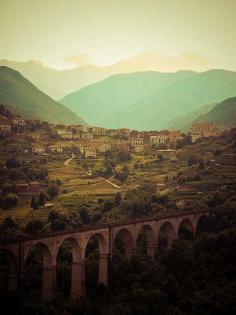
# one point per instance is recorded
(106, 234)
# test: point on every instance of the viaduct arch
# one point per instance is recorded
(165, 227)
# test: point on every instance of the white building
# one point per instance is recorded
(87, 136)
(90, 152)
(55, 148)
(38, 149)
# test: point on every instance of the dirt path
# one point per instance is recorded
(114, 185)
(66, 163)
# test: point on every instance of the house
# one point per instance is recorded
(55, 148)
(136, 141)
(67, 136)
(123, 132)
(34, 188)
(78, 128)
(90, 152)
(38, 149)
(76, 136)
(175, 135)
(122, 146)
(138, 148)
(87, 136)
(22, 189)
(19, 121)
(5, 126)
(112, 132)
(98, 131)
(31, 188)
(62, 131)
(36, 136)
(154, 140)
(103, 147)
(160, 137)
(203, 130)
(167, 153)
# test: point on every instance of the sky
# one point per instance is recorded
(65, 33)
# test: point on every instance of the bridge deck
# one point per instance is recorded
(98, 227)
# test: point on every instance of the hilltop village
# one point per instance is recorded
(50, 140)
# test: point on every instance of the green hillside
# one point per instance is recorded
(184, 122)
(107, 102)
(24, 99)
(224, 114)
(150, 100)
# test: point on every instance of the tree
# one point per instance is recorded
(9, 201)
(201, 165)
(108, 172)
(108, 205)
(42, 199)
(171, 287)
(12, 163)
(117, 199)
(34, 226)
(53, 191)
(9, 188)
(122, 176)
(34, 203)
(193, 160)
(84, 216)
(123, 156)
(185, 141)
(8, 223)
(160, 157)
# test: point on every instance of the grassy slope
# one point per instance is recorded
(25, 99)
(224, 114)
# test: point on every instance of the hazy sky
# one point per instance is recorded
(107, 31)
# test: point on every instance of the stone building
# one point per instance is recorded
(5, 126)
(203, 130)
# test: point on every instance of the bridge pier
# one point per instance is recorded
(129, 252)
(77, 280)
(103, 269)
(151, 251)
(12, 282)
(48, 283)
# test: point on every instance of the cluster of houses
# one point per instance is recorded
(7, 124)
(92, 141)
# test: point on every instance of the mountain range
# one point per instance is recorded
(58, 83)
(23, 98)
(149, 100)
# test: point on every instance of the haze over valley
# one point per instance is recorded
(118, 157)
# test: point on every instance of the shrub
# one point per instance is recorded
(9, 201)
(34, 226)
(53, 191)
